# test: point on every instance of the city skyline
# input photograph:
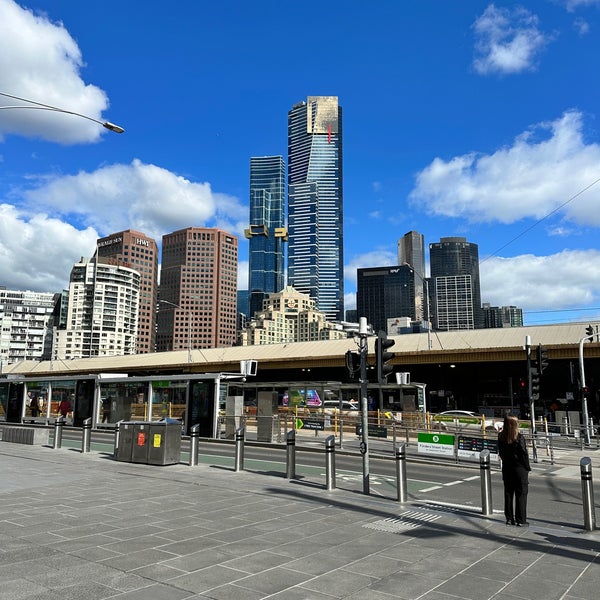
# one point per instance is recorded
(460, 119)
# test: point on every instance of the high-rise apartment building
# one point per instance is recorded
(139, 252)
(315, 203)
(266, 232)
(505, 316)
(198, 289)
(102, 314)
(411, 251)
(26, 320)
(456, 293)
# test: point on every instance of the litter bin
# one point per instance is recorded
(164, 443)
(150, 442)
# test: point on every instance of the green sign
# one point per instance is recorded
(435, 443)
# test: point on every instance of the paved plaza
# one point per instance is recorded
(83, 526)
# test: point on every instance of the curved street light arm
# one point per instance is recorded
(41, 106)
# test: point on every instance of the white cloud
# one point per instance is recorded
(51, 59)
(507, 41)
(376, 258)
(581, 26)
(138, 196)
(573, 5)
(38, 252)
(531, 178)
(569, 279)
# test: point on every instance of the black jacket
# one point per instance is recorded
(514, 455)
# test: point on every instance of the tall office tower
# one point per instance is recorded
(315, 203)
(198, 290)
(139, 252)
(505, 316)
(411, 251)
(267, 231)
(456, 288)
(26, 320)
(384, 293)
(102, 314)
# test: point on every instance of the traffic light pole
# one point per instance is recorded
(364, 407)
(530, 396)
(584, 409)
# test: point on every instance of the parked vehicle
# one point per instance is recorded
(461, 420)
(347, 408)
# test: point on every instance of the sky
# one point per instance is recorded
(465, 118)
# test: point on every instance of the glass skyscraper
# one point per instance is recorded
(315, 203)
(267, 231)
(454, 266)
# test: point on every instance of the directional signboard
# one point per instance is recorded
(315, 424)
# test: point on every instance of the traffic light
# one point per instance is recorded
(382, 356)
(535, 382)
(542, 358)
(353, 363)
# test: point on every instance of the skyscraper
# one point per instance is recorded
(315, 203)
(411, 251)
(137, 251)
(198, 289)
(456, 287)
(267, 231)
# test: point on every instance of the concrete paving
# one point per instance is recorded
(81, 525)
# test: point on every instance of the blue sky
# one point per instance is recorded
(462, 118)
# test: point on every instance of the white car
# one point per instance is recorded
(460, 420)
(333, 406)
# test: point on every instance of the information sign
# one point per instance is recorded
(470, 447)
(373, 431)
(439, 444)
(314, 424)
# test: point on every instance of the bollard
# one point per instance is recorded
(58, 431)
(290, 457)
(239, 449)
(117, 436)
(341, 432)
(330, 462)
(86, 435)
(401, 472)
(587, 492)
(565, 425)
(194, 437)
(486, 482)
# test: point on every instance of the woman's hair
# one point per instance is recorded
(510, 431)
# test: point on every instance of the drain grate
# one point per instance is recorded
(405, 521)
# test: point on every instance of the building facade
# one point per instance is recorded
(411, 251)
(384, 293)
(102, 313)
(197, 306)
(315, 203)
(266, 232)
(26, 321)
(289, 316)
(137, 251)
(504, 316)
(456, 292)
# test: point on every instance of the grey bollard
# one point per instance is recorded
(58, 431)
(486, 482)
(194, 438)
(86, 435)
(117, 436)
(587, 492)
(330, 463)
(239, 449)
(290, 457)
(401, 472)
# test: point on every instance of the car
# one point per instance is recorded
(333, 406)
(461, 420)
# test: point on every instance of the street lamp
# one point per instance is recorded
(426, 282)
(189, 317)
(33, 105)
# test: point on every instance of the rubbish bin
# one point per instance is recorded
(150, 442)
(164, 443)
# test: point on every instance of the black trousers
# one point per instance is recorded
(516, 486)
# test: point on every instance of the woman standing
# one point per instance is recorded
(515, 471)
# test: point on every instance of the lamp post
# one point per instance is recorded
(33, 105)
(189, 318)
(426, 282)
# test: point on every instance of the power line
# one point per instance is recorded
(528, 229)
